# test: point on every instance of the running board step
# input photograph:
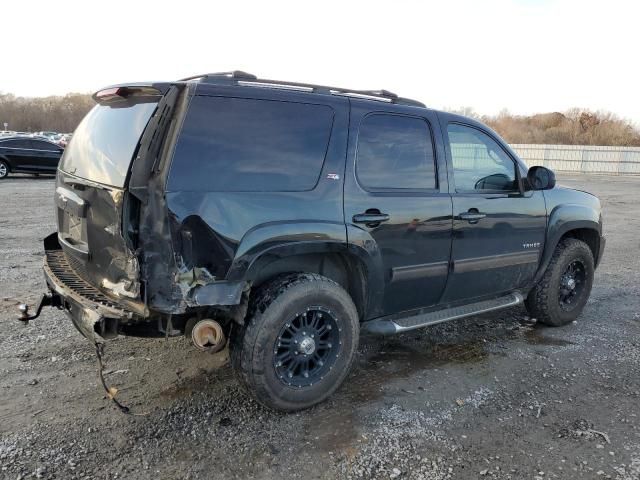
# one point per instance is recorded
(388, 326)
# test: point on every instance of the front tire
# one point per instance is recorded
(4, 169)
(563, 291)
(298, 342)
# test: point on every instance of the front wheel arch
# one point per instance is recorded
(585, 230)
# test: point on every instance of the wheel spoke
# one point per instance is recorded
(304, 368)
(284, 356)
(323, 329)
(317, 359)
(314, 320)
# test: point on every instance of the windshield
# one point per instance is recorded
(103, 145)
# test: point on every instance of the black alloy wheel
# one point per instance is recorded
(572, 283)
(307, 347)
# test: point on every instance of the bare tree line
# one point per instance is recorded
(32, 114)
(574, 127)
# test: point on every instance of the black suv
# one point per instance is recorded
(288, 217)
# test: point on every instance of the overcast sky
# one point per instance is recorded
(524, 55)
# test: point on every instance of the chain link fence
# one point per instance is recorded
(582, 158)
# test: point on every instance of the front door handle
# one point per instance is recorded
(472, 216)
(371, 219)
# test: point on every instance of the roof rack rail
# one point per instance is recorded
(245, 79)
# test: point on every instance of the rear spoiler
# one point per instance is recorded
(124, 91)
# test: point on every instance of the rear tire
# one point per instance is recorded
(298, 342)
(563, 291)
(4, 169)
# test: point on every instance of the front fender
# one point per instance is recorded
(562, 219)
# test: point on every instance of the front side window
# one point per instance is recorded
(247, 145)
(479, 163)
(395, 152)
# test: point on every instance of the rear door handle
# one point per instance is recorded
(371, 219)
(472, 216)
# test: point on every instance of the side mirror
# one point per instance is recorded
(541, 178)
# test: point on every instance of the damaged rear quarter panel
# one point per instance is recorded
(189, 240)
(233, 230)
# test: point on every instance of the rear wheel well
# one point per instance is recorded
(589, 236)
(347, 271)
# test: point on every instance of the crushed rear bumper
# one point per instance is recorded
(94, 314)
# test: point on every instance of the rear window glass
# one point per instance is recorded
(103, 145)
(395, 152)
(236, 144)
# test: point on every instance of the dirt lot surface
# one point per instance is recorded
(491, 396)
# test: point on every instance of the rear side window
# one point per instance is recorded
(39, 145)
(395, 152)
(15, 144)
(248, 145)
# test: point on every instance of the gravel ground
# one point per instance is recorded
(491, 396)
